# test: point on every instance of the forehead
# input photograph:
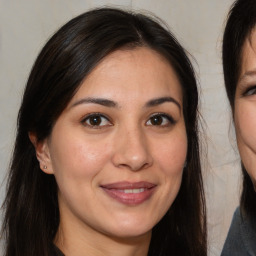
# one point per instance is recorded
(248, 54)
(134, 72)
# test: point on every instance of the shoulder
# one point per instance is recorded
(241, 237)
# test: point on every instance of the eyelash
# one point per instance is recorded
(169, 119)
(162, 117)
(95, 126)
(250, 91)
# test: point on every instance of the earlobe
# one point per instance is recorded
(42, 153)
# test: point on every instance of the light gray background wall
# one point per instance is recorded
(198, 24)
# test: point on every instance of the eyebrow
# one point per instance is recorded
(247, 74)
(112, 104)
(100, 101)
(158, 101)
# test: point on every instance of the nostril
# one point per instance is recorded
(134, 163)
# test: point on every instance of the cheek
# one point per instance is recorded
(75, 156)
(172, 155)
(245, 122)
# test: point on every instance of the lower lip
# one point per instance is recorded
(130, 198)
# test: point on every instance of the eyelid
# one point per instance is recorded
(171, 120)
(250, 89)
(86, 117)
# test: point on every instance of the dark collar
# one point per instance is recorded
(57, 251)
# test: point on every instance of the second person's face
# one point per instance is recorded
(245, 107)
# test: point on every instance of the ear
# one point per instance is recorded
(42, 153)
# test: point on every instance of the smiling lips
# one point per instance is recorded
(130, 193)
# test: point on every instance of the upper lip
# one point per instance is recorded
(129, 185)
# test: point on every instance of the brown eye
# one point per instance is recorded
(160, 120)
(96, 121)
(156, 120)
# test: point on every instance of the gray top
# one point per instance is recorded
(241, 239)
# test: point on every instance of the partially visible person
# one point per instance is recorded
(106, 160)
(239, 65)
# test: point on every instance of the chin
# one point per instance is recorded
(127, 232)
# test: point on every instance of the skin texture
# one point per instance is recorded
(245, 107)
(126, 145)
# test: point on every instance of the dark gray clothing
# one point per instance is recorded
(241, 239)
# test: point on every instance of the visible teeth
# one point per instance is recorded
(134, 191)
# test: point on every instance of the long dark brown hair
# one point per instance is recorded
(241, 21)
(31, 205)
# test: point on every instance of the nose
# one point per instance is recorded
(132, 151)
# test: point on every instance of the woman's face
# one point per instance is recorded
(245, 107)
(118, 149)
